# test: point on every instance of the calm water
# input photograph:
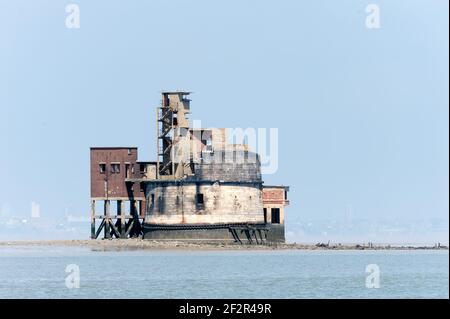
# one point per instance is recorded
(39, 272)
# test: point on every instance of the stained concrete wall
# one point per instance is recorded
(234, 166)
(176, 203)
(198, 235)
(231, 191)
(276, 233)
(146, 170)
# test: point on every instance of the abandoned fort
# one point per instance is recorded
(200, 188)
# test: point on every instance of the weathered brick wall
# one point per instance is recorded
(274, 198)
(109, 184)
(273, 195)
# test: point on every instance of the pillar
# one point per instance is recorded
(92, 219)
(107, 220)
(135, 217)
(121, 208)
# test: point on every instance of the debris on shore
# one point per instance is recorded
(138, 244)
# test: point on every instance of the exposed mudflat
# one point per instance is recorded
(132, 244)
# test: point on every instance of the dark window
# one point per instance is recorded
(275, 215)
(115, 168)
(129, 151)
(199, 198)
(142, 168)
(153, 198)
(265, 215)
(102, 167)
(142, 188)
(285, 195)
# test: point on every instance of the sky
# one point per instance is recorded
(362, 114)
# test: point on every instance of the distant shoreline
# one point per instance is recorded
(138, 244)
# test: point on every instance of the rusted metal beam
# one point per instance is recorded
(114, 229)
(102, 224)
(113, 216)
(130, 226)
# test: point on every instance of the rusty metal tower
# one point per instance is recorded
(173, 128)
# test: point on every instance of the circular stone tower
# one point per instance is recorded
(221, 201)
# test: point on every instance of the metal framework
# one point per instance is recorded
(253, 233)
(120, 225)
(171, 116)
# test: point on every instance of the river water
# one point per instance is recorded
(78, 272)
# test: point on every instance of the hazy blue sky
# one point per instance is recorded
(362, 113)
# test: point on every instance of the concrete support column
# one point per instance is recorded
(144, 207)
(133, 207)
(141, 206)
(107, 220)
(92, 219)
(134, 213)
(121, 208)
